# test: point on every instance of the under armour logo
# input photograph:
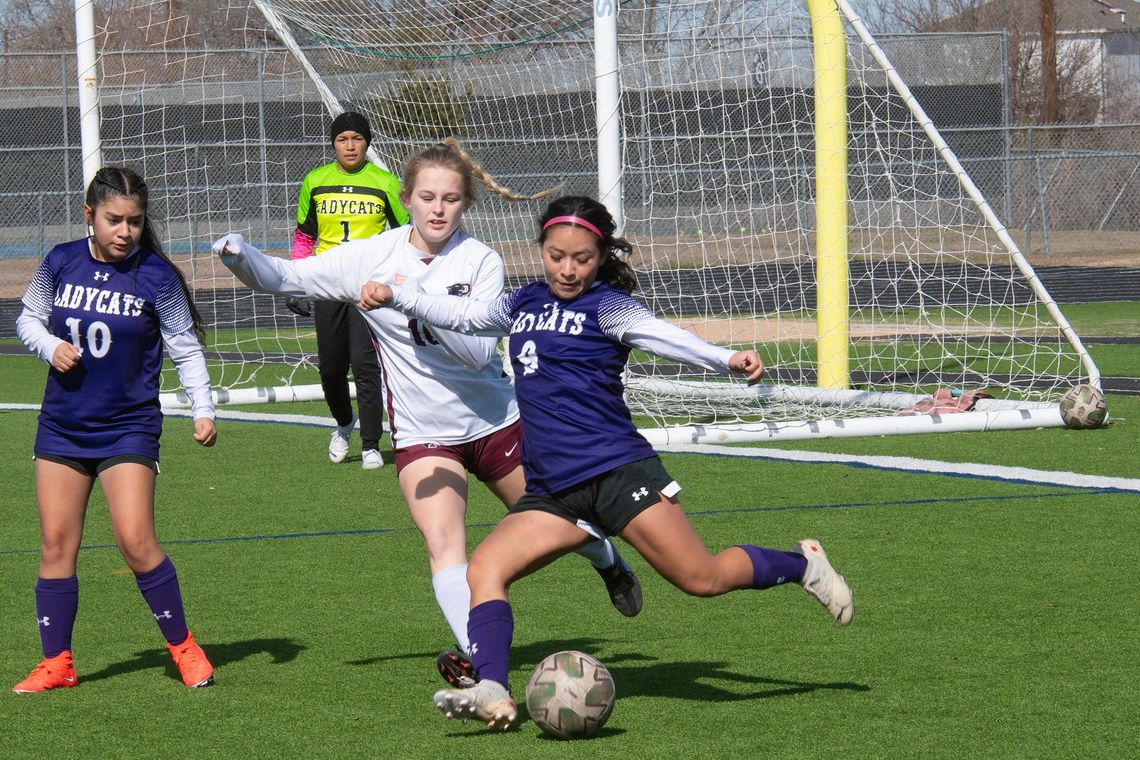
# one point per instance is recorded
(102, 276)
(638, 494)
(45, 621)
(346, 189)
(164, 616)
(474, 648)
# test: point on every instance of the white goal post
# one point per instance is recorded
(779, 177)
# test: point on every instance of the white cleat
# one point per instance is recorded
(821, 581)
(338, 444)
(370, 459)
(488, 701)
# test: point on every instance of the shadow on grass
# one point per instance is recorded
(530, 653)
(280, 650)
(639, 675)
(428, 657)
(474, 730)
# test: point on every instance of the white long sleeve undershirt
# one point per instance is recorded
(487, 318)
(183, 349)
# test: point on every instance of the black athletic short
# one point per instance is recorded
(605, 504)
(93, 466)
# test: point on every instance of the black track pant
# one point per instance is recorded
(343, 341)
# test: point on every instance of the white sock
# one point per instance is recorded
(600, 553)
(454, 598)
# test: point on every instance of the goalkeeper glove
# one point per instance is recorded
(302, 307)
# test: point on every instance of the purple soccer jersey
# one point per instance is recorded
(115, 313)
(568, 366)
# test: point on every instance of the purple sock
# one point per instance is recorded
(491, 626)
(57, 601)
(159, 588)
(771, 567)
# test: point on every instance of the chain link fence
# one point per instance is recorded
(1045, 183)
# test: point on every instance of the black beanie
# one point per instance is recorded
(350, 121)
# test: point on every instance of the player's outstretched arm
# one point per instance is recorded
(232, 248)
(260, 272)
(656, 336)
(472, 351)
(335, 275)
(747, 363)
(374, 295)
(462, 315)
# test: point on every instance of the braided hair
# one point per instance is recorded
(449, 154)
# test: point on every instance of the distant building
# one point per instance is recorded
(1098, 54)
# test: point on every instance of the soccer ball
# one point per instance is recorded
(570, 695)
(1083, 407)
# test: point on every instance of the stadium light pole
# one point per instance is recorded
(607, 93)
(90, 144)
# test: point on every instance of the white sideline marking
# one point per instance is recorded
(308, 420)
(925, 466)
(903, 464)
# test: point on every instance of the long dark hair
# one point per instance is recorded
(116, 181)
(614, 270)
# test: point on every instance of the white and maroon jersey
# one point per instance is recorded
(568, 358)
(442, 387)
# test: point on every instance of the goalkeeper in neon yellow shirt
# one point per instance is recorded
(347, 199)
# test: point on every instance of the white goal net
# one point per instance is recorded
(717, 129)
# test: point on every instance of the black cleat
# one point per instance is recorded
(456, 668)
(624, 588)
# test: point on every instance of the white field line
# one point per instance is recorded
(900, 464)
(924, 466)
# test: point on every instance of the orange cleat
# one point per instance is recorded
(196, 670)
(53, 673)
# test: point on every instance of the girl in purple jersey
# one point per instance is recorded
(452, 410)
(589, 472)
(99, 311)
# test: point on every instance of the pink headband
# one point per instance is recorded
(574, 220)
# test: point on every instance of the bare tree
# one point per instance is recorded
(38, 25)
(49, 25)
(1049, 108)
(920, 15)
(1048, 83)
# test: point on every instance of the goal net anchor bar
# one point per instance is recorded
(1012, 419)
